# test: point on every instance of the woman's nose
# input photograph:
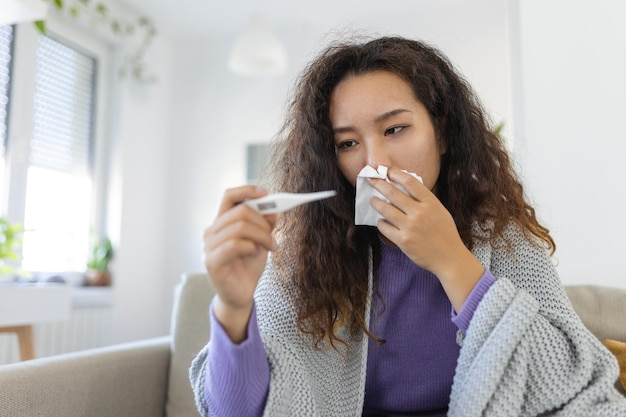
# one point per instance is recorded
(377, 155)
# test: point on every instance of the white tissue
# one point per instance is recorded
(364, 213)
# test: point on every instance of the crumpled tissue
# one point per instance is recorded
(364, 213)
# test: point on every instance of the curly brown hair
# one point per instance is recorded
(327, 256)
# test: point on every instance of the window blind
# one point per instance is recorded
(6, 42)
(63, 108)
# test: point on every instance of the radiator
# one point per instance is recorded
(88, 327)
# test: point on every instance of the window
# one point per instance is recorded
(6, 43)
(57, 235)
(54, 161)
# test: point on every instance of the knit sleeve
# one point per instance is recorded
(231, 379)
(463, 318)
(526, 352)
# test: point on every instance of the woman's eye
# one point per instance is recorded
(346, 144)
(394, 130)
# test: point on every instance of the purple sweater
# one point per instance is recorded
(409, 374)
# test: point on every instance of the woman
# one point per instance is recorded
(449, 306)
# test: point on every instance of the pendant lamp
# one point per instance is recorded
(258, 51)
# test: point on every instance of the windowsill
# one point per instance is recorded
(81, 296)
(92, 297)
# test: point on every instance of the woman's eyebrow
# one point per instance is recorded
(378, 119)
(391, 113)
(345, 129)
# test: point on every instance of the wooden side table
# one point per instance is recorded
(23, 305)
(25, 340)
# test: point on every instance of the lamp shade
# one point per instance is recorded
(258, 51)
(18, 11)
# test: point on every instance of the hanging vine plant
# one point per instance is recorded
(98, 13)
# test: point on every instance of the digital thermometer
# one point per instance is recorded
(279, 202)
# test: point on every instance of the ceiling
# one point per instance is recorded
(184, 18)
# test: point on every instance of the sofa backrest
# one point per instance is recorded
(602, 309)
(190, 333)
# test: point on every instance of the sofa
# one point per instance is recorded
(150, 378)
(147, 378)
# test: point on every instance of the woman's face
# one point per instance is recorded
(377, 120)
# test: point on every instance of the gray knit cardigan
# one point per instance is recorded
(526, 353)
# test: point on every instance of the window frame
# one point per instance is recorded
(21, 114)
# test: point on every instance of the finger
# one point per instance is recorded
(231, 250)
(241, 213)
(412, 185)
(241, 223)
(234, 196)
(388, 230)
(395, 196)
(271, 219)
(390, 212)
(242, 230)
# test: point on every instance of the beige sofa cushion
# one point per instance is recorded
(190, 332)
(602, 309)
(121, 380)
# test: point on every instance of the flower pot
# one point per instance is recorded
(95, 278)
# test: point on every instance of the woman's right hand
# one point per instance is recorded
(236, 246)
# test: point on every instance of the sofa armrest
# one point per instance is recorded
(122, 380)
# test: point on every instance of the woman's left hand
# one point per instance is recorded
(425, 231)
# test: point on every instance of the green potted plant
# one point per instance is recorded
(98, 273)
(10, 244)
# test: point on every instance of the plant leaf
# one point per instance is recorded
(41, 26)
(59, 4)
(101, 8)
(498, 131)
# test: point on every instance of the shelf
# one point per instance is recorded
(29, 303)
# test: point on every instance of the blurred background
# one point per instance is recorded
(174, 139)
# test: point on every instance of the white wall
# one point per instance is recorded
(215, 113)
(137, 200)
(550, 70)
(571, 141)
